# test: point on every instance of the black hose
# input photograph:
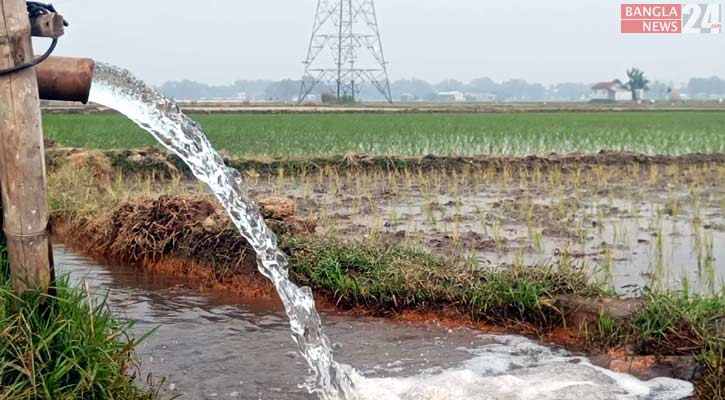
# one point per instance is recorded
(36, 9)
(35, 62)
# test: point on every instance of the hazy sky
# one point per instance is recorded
(221, 41)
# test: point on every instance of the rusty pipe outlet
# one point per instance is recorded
(65, 78)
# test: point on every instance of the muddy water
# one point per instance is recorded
(210, 346)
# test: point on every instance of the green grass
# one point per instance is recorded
(254, 135)
(677, 321)
(681, 323)
(389, 277)
(65, 346)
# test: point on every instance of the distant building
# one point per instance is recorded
(408, 97)
(481, 97)
(450, 97)
(677, 96)
(310, 99)
(705, 96)
(610, 92)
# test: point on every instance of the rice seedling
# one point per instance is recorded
(653, 174)
(418, 134)
(328, 223)
(710, 270)
(147, 184)
(498, 239)
(561, 206)
(581, 230)
(658, 270)
(376, 228)
(252, 176)
(505, 176)
(538, 241)
(280, 180)
(482, 220)
(565, 261)
(118, 183)
(393, 216)
(607, 270)
(673, 174)
(200, 187)
(555, 177)
(174, 185)
(698, 245)
(600, 220)
(306, 187)
(456, 232)
(673, 209)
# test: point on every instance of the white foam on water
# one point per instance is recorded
(515, 368)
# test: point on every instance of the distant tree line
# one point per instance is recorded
(706, 87)
(481, 89)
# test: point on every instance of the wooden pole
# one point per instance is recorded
(22, 156)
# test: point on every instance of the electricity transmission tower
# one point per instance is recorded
(345, 50)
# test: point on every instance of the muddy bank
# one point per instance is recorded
(184, 237)
(152, 160)
(190, 238)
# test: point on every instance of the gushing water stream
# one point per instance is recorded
(161, 117)
(509, 368)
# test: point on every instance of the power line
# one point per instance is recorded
(345, 50)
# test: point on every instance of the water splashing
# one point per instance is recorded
(509, 368)
(514, 368)
(161, 117)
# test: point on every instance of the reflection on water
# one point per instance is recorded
(209, 346)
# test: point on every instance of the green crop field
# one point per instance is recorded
(253, 135)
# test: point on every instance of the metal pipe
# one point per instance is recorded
(65, 78)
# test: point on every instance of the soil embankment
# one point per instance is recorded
(190, 237)
(155, 160)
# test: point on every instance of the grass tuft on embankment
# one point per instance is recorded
(63, 346)
(675, 323)
(680, 323)
(390, 278)
(387, 277)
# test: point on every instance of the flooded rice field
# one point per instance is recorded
(630, 225)
(211, 346)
